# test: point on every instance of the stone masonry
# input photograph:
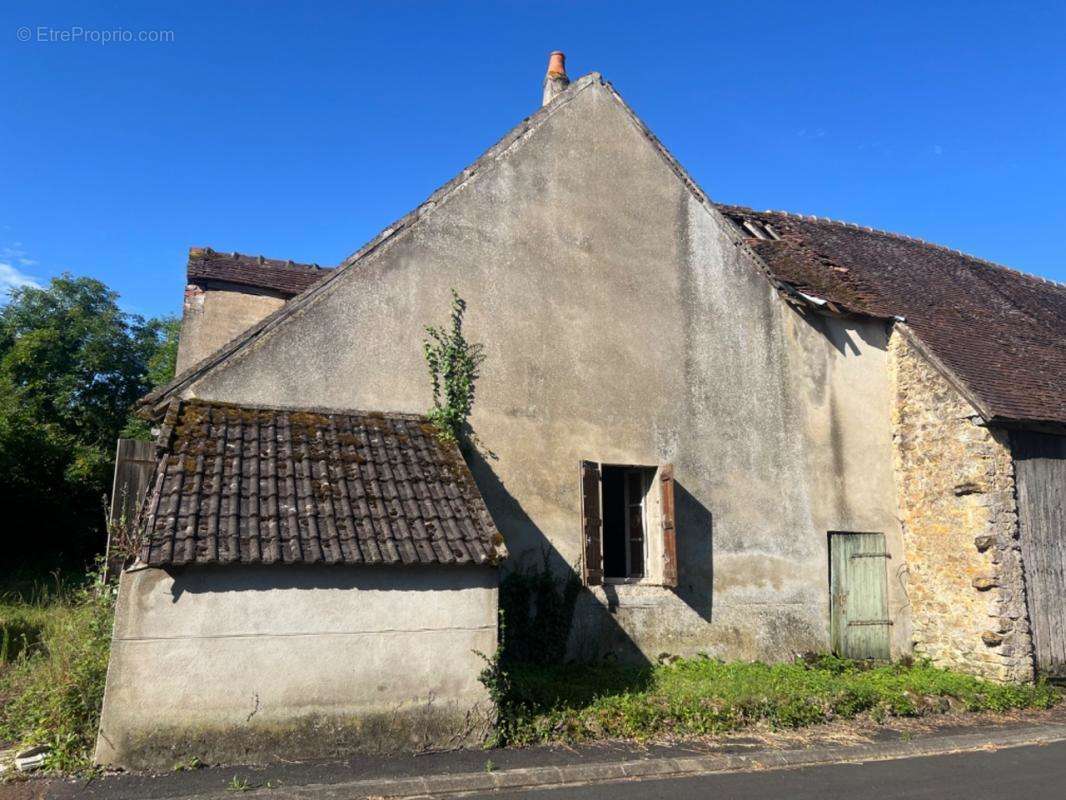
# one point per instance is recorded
(955, 479)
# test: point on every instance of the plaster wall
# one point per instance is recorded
(221, 662)
(214, 314)
(622, 323)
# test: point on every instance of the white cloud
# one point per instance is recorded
(12, 278)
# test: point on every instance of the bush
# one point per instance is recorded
(51, 690)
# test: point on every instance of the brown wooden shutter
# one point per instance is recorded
(666, 485)
(591, 523)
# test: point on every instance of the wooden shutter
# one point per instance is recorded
(666, 486)
(591, 523)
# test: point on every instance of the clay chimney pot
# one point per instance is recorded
(555, 82)
(557, 63)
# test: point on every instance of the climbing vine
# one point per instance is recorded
(539, 605)
(454, 365)
(536, 614)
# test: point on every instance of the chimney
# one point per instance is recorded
(555, 81)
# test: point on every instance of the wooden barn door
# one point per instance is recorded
(1040, 474)
(858, 580)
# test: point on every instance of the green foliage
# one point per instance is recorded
(160, 369)
(239, 784)
(694, 697)
(497, 681)
(454, 365)
(71, 365)
(188, 764)
(540, 609)
(51, 689)
(536, 612)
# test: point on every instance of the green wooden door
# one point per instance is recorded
(858, 580)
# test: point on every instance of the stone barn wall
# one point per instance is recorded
(955, 478)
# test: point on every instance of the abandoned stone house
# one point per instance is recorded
(752, 434)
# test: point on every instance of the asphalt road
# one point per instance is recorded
(1021, 773)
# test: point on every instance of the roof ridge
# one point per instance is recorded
(207, 252)
(305, 409)
(501, 145)
(900, 236)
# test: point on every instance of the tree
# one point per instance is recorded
(72, 364)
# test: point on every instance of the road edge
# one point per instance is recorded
(459, 784)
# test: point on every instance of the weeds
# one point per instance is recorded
(52, 685)
(539, 605)
(695, 697)
(189, 764)
(238, 784)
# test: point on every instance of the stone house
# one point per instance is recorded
(752, 434)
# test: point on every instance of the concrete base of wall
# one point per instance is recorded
(420, 728)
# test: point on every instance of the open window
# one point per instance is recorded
(628, 524)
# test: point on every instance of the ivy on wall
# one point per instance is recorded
(454, 365)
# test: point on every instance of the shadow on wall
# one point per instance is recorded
(531, 548)
(695, 552)
(840, 335)
(597, 631)
(270, 577)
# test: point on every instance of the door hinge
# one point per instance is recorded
(870, 622)
(871, 555)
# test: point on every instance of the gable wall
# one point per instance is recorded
(622, 324)
(214, 314)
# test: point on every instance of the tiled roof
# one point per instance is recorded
(258, 485)
(284, 277)
(1002, 333)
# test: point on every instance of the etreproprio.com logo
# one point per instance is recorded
(78, 34)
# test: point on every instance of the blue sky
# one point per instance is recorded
(300, 130)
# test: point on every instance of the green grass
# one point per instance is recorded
(56, 637)
(700, 696)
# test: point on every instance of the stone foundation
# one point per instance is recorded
(955, 479)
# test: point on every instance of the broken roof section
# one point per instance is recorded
(1000, 332)
(285, 278)
(262, 486)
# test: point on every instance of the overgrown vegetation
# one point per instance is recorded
(72, 363)
(536, 613)
(454, 365)
(696, 697)
(57, 639)
(538, 606)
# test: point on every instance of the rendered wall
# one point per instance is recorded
(212, 315)
(622, 323)
(231, 663)
(960, 525)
